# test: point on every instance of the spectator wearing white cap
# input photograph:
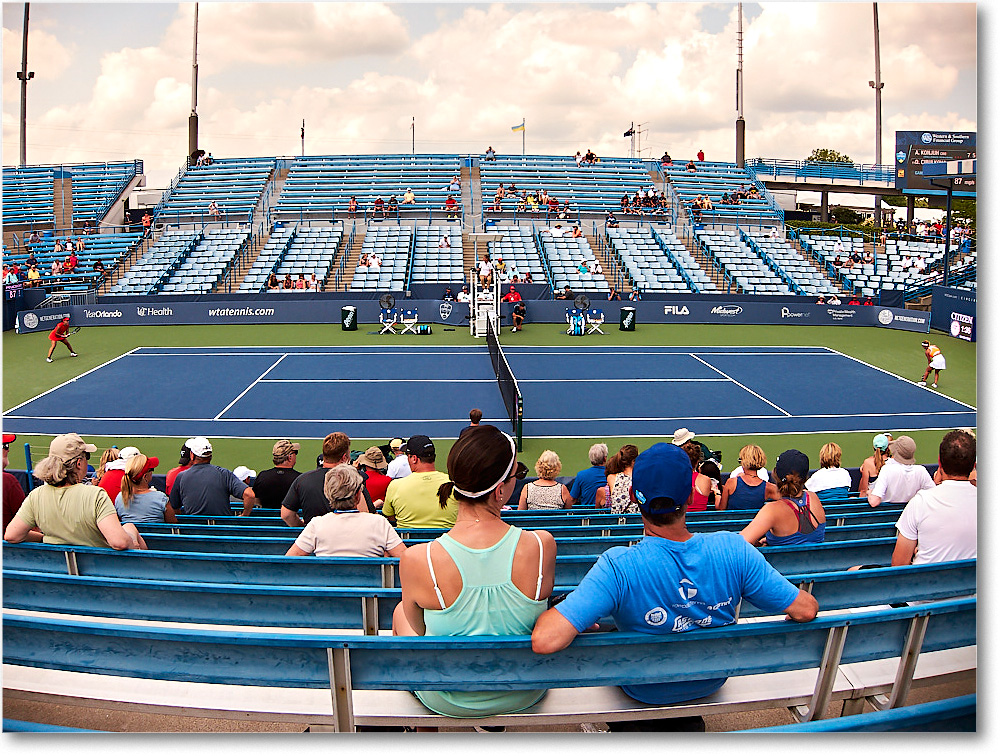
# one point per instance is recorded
(272, 485)
(67, 511)
(900, 479)
(244, 474)
(939, 524)
(114, 472)
(204, 488)
(399, 467)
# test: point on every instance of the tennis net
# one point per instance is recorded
(506, 381)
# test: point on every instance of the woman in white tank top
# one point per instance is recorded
(546, 492)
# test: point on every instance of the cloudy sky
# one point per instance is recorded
(113, 81)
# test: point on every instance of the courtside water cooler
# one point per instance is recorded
(626, 319)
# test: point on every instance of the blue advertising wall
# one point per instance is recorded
(171, 311)
(954, 311)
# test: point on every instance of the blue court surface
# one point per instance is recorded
(386, 391)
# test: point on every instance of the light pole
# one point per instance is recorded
(193, 118)
(877, 85)
(741, 127)
(24, 75)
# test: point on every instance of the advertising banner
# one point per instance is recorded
(707, 310)
(954, 311)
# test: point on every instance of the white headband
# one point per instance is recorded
(503, 478)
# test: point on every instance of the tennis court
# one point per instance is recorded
(571, 391)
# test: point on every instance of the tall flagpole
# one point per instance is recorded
(522, 136)
(741, 127)
(413, 136)
(303, 137)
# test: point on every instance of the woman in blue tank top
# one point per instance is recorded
(482, 577)
(748, 490)
(798, 517)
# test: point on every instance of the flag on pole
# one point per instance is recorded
(519, 127)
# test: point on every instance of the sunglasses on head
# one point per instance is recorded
(6, 446)
(520, 471)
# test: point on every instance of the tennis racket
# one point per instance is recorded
(71, 331)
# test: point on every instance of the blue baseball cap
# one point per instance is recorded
(661, 479)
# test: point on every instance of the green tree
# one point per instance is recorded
(824, 155)
(844, 215)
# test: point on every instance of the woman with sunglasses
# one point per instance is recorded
(484, 576)
(67, 511)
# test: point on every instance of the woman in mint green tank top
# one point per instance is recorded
(482, 577)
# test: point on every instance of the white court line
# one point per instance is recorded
(787, 414)
(244, 391)
(71, 380)
(494, 380)
(882, 370)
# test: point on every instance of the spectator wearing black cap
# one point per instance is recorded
(412, 502)
(673, 580)
(183, 463)
(796, 518)
(204, 488)
(272, 484)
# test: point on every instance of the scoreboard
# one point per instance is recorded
(914, 148)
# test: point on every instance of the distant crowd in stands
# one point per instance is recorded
(30, 272)
(289, 284)
(648, 201)
(487, 577)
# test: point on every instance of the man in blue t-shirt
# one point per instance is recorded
(586, 483)
(672, 581)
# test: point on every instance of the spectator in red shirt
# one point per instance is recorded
(13, 494)
(512, 296)
(451, 207)
(372, 465)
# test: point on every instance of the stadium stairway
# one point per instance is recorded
(609, 264)
(472, 199)
(353, 255)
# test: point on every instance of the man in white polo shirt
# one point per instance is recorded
(939, 524)
(899, 479)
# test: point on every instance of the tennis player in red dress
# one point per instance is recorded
(60, 334)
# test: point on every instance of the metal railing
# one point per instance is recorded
(816, 169)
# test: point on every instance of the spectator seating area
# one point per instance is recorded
(235, 185)
(324, 184)
(166, 252)
(206, 263)
(804, 274)
(293, 249)
(431, 262)
(712, 180)
(565, 254)
(392, 244)
(594, 189)
(740, 265)
(28, 191)
(518, 250)
(108, 248)
(183, 262)
(656, 260)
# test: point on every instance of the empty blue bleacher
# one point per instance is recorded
(393, 244)
(234, 184)
(319, 186)
(28, 190)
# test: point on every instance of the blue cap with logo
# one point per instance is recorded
(661, 479)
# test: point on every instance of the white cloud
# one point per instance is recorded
(47, 57)
(578, 73)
